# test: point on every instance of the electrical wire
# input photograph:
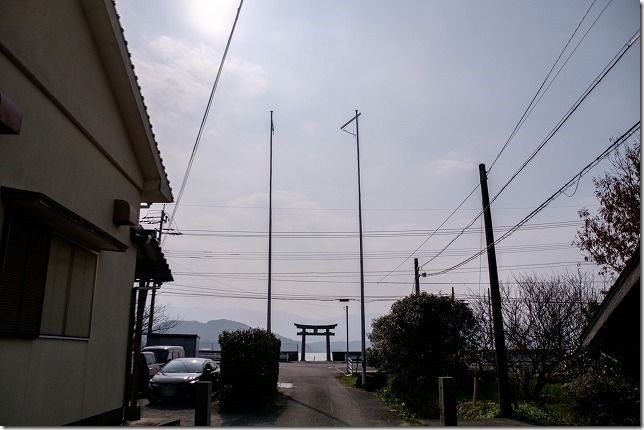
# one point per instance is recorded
(560, 191)
(522, 120)
(335, 298)
(533, 103)
(331, 234)
(612, 63)
(433, 233)
(205, 117)
(337, 278)
(342, 255)
(572, 52)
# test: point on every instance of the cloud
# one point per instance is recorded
(177, 77)
(451, 164)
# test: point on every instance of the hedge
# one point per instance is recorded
(249, 368)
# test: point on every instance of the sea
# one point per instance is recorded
(314, 356)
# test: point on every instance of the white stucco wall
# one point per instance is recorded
(74, 148)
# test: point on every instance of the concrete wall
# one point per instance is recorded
(74, 148)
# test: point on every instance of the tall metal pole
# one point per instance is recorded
(497, 314)
(362, 319)
(270, 226)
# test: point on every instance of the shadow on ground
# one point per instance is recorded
(264, 415)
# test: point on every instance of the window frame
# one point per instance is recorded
(75, 245)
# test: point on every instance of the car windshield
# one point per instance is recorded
(183, 366)
(160, 355)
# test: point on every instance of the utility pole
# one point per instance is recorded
(495, 294)
(416, 280)
(346, 310)
(270, 224)
(417, 276)
(154, 288)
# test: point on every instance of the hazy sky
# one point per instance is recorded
(440, 85)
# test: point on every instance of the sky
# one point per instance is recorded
(440, 86)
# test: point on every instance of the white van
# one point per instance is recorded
(165, 353)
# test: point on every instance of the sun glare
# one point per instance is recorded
(212, 17)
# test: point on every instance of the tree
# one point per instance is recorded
(610, 237)
(422, 337)
(543, 320)
(162, 320)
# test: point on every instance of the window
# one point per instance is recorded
(23, 257)
(69, 291)
(48, 258)
(46, 282)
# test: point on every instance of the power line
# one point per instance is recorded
(561, 190)
(301, 208)
(433, 233)
(557, 127)
(337, 234)
(532, 104)
(613, 62)
(342, 255)
(205, 117)
(334, 298)
(336, 277)
(526, 113)
(572, 52)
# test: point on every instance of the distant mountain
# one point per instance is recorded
(209, 332)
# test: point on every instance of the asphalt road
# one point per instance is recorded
(309, 396)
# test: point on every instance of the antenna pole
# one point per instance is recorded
(270, 225)
(362, 321)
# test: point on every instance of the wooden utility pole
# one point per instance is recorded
(134, 410)
(154, 289)
(495, 294)
(416, 276)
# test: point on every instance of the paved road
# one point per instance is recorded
(309, 396)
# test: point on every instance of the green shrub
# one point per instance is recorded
(249, 368)
(525, 411)
(421, 338)
(420, 399)
(536, 414)
(601, 395)
(477, 411)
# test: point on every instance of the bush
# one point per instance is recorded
(601, 395)
(249, 368)
(423, 337)
(538, 414)
(477, 411)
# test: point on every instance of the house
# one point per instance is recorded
(615, 329)
(77, 159)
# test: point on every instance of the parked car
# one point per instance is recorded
(177, 379)
(165, 353)
(148, 367)
(151, 362)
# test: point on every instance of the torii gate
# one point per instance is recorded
(316, 332)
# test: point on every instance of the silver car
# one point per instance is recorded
(177, 379)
